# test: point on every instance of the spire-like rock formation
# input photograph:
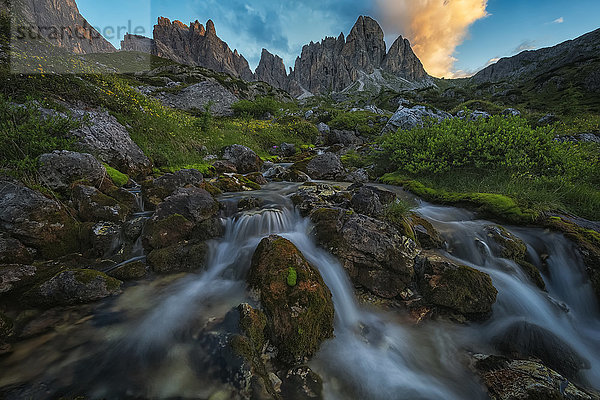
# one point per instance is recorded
(195, 45)
(402, 61)
(365, 47)
(60, 23)
(271, 70)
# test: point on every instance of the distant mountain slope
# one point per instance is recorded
(60, 23)
(529, 64)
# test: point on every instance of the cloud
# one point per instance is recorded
(525, 45)
(558, 20)
(435, 28)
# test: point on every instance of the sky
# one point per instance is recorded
(453, 38)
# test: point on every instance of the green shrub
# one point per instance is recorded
(27, 134)
(118, 178)
(363, 122)
(257, 108)
(354, 160)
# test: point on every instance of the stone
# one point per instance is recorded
(426, 234)
(345, 138)
(271, 69)
(94, 205)
(71, 287)
(376, 256)
(180, 257)
(409, 118)
(366, 201)
(458, 288)
(194, 204)
(198, 96)
(105, 239)
(103, 136)
(61, 168)
(12, 251)
(37, 221)
(524, 380)
(296, 301)
(323, 128)
(225, 167)
(249, 203)
(284, 150)
(526, 340)
(547, 119)
(156, 190)
(325, 166)
(475, 115)
(245, 159)
(130, 271)
(14, 276)
(511, 112)
(359, 175)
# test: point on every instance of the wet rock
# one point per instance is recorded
(249, 203)
(284, 150)
(37, 221)
(130, 271)
(74, 287)
(359, 175)
(366, 201)
(409, 118)
(301, 383)
(257, 178)
(93, 205)
(225, 167)
(59, 169)
(325, 166)
(195, 204)
(105, 239)
(14, 276)
(155, 191)
(167, 231)
(458, 288)
(427, 236)
(235, 183)
(12, 251)
(103, 136)
(373, 252)
(180, 257)
(524, 340)
(132, 229)
(316, 195)
(524, 380)
(297, 303)
(245, 159)
(279, 173)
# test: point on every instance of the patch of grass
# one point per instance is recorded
(363, 122)
(258, 107)
(354, 160)
(27, 134)
(118, 178)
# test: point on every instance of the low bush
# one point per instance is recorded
(257, 108)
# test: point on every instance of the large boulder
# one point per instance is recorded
(93, 205)
(71, 287)
(59, 169)
(245, 159)
(195, 204)
(370, 200)
(297, 303)
(524, 380)
(325, 166)
(14, 276)
(343, 137)
(12, 251)
(375, 254)
(156, 190)
(409, 118)
(103, 136)
(197, 96)
(37, 221)
(458, 288)
(525, 340)
(284, 150)
(181, 257)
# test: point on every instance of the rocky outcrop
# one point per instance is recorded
(103, 136)
(376, 256)
(196, 45)
(272, 70)
(409, 118)
(244, 159)
(37, 221)
(137, 43)
(529, 64)
(60, 23)
(297, 303)
(59, 169)
(197, 96)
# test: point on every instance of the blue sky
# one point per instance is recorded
(283, 26)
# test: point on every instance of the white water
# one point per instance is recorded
(374, 355)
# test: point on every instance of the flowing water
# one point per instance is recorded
(158, 339)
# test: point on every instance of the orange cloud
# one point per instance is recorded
(434, 27)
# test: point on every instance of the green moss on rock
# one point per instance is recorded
(118, 178)
(167, 231)
(180, 257)
(300, 317)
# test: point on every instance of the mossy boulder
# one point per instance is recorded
(130, 271)
(457, 288)
(244, 159)
(235, 183)
(510, 246)
(508, 379)
(15, 276)
(74, 286)
(154, 191)
(59, 169)
(93, 205)
(425, 233)
(12, 251)
(376, 256)
(299, 316)
(37, 221)
(165, 232)
(180, 257)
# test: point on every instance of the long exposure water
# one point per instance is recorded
(152, 341)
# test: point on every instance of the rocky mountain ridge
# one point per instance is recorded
(60, 23)
(333, 65)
